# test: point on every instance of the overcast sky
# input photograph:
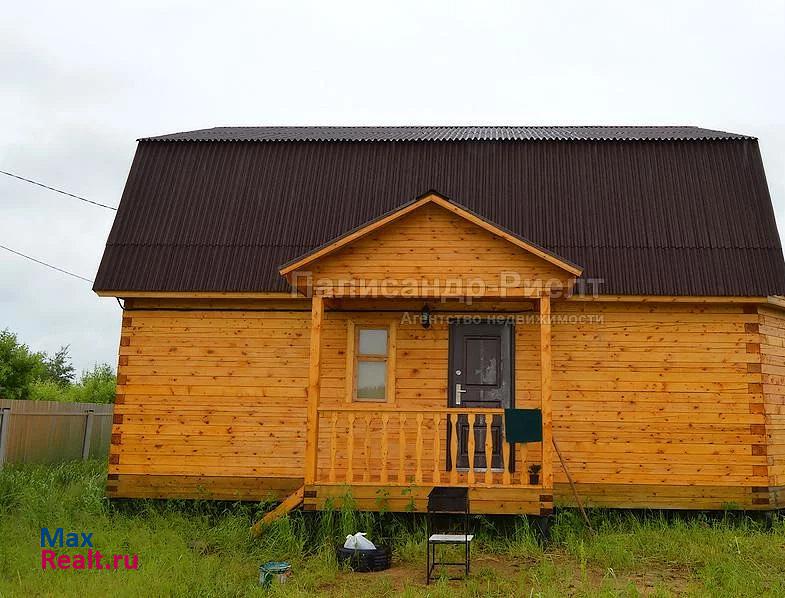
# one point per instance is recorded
(80, 82)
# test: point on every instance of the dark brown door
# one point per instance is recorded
(481, 375)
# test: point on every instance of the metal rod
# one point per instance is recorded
(88, 434)
(572, 485)
(5, 421)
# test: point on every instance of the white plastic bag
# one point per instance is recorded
(358, 541)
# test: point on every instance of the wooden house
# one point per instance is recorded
(313, 312)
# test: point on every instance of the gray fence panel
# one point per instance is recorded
(51, 432)
(102, 433)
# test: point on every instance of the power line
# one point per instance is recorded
(47, 265)
(95, 203)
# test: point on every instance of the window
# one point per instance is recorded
(370, 377)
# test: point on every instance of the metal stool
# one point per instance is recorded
(445, 501)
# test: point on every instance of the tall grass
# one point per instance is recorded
(193, 548)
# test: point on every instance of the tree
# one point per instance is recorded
(19, 367)
(59, 368)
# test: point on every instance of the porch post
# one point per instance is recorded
(546, 390)
(314, 374)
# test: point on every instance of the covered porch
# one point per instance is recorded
(388, 456)
(430, 422)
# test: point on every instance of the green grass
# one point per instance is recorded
(204, 549)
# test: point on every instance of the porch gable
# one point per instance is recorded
(431, 247)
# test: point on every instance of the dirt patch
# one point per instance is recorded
(675, 580)
(408, 574)
(516, 571)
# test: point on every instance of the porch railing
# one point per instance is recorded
(359, 444)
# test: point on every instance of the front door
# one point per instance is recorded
(481, 375)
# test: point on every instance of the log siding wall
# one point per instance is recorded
(672, 405)
(210, 403)
(772, 364)
(660, 405)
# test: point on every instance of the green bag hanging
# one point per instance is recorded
(523, 425)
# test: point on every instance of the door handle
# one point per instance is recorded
(458, 392)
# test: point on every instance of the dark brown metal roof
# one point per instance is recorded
(666, 217)
(630, 133)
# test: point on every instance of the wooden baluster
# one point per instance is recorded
(367, 449)
(506, 453)
(333, 444)
(471, 417)
(350, 450)
(452, 423)
(418, 451)
(401, 447)
(488, 450)
(437, 449)
(385, 449)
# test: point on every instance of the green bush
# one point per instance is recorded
(19, 367)
(39, 377)
(95, 386)
(46, 390)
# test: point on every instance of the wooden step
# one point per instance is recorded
(290, 503)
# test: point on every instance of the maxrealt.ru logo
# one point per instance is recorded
(92, 559)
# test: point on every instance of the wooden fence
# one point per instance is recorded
(51, 432)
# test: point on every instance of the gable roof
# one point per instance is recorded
(663, 214)
(430, 197)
